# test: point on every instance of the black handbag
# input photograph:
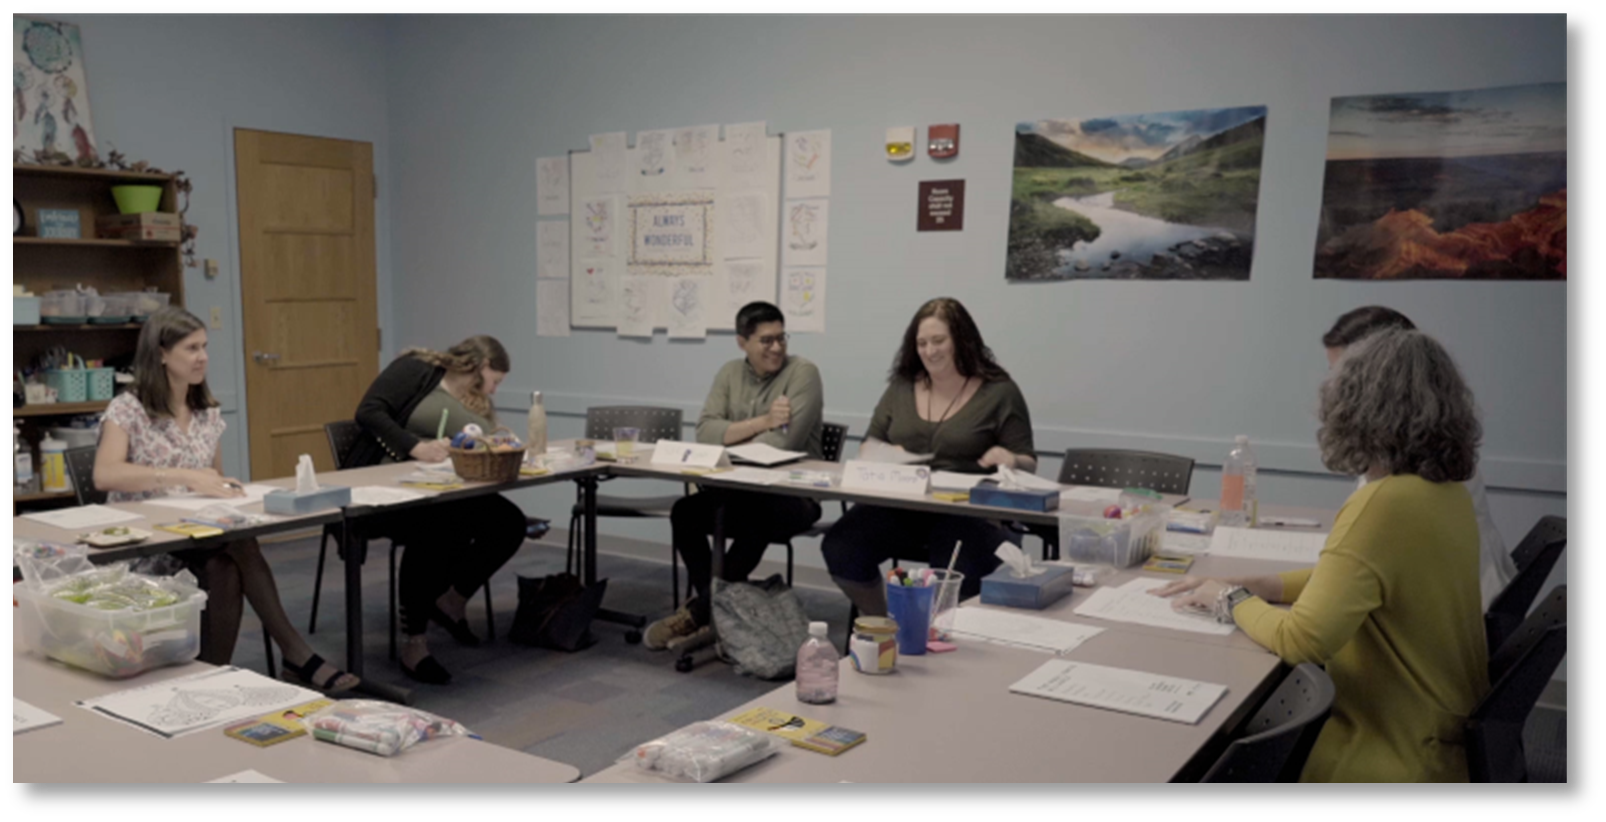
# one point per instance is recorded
(556, 611)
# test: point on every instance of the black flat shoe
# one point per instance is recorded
(458, 628)
(428, 672)
(304, 675)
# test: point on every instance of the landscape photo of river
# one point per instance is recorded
(1168, 195)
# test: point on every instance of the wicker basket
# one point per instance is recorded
(487, 466)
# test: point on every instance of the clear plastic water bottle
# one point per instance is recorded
(817, 667)
(1237, 489)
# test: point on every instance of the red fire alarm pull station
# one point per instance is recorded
(942, 141)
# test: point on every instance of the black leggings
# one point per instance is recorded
(458, 544)
(753, 522)
(869, 535)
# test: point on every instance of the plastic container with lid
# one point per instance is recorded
(115, 643)
(53, 464)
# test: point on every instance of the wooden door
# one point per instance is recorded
(307, 279)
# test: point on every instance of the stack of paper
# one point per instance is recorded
(83, 517)
(758, 453)
(1118, 689)
(874, 451)
(381, 495)
(1021, 631)
(191, 501)
(25, 717)
(1282, 546)
(1132, 602)
(183, 705)
(753, 476)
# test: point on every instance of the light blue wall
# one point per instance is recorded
(171, 88)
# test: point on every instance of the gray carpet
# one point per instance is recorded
(586, 708)
(589, 708)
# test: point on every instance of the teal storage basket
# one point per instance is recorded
(72, 385)
(102, 383)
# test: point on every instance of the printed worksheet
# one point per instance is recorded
(175, 707)
(1255, 543)
(1119, 689)
(1021, 630)
(1133, 603)
(25, 717)
(191, 501)
(83, 517)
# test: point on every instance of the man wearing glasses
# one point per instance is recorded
(768, 397)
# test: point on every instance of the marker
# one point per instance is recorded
(440, 430)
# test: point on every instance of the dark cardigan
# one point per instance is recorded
(384, 410)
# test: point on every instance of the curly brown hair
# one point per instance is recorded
(470, 357)
(972, 357)
(1396, 401)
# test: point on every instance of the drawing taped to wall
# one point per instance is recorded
(551, 185)
(1446, 185)
(1161, 196)
(593, 300)
(687, 318)
(653, 153)
(808, 164)
(746, 216)
(803, 299)
(694, 156)
(807, 232)
(50, 94)
(599, 215)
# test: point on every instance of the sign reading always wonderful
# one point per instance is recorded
(672, 234)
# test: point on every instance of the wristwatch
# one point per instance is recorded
(1227, 600)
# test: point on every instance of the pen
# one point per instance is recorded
(440, 430)
(1290, 522)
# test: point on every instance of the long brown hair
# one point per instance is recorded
(166, 328)
(971, 356)
(470, 357)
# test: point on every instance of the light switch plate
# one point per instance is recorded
(211, 269)
(217, 316)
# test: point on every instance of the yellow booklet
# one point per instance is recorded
(271, 729)
(811, 734)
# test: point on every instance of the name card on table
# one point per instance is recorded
(860, 475)
(687, 454)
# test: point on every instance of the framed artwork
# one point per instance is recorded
(50, 96)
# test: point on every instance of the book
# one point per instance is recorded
(279, 726)
(809, 734)
(1178, 564)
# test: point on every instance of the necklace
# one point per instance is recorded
(931, 393)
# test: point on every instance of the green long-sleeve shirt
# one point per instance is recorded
(739, 393)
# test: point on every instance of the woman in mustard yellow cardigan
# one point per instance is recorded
(1392, 607)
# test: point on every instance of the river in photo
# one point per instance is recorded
(1137, 237)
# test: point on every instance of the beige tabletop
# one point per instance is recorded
(90, 748)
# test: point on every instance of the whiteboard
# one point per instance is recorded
(610, 232)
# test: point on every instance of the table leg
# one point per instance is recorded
(588, 561)
(354, 542)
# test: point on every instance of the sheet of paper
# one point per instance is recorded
(1120, 689)
(875, 451)
(687, 454)
(1021, 630)
(608, 155)
(655, 153)
(1180, 542)
(952, 481)
(754, 476)
(686, 308)
(639, 297)
(760, 453)
(551, 308)
(592, 299)
(246, 776)
(746, 281)
(552, 249)
(745, 219)
(805, 228)
(746, 155)
(598, 222)
(808, 164)
(1087, 493)
(1133, 603)
(1027, 480)
(552, 185)
(175, 707)
(696, 152)
(191, 501)
(1256, 543)
(25, 717)
(803, 299)
(382, 495)
(83, 517)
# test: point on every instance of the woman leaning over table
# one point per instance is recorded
(162, 436)
(451, 548)
(946, 396)
(1392, 607)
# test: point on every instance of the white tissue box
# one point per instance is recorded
(294, 502)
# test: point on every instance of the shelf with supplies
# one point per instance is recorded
(59, 409)
(79, 327)
(92, 241)
(41, 496)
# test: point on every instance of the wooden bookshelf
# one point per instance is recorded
(59, 409)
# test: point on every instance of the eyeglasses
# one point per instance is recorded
(778, 339)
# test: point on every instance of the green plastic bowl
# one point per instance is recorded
(137, 199)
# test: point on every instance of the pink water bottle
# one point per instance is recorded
(817, 666)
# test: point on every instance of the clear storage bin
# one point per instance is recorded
(1121, 543)
(117, 644)
(61, 304)
(147, 303)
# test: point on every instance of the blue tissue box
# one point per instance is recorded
(984, 493)
(323, 499)
(1036, 592)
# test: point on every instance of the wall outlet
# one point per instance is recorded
(217, 316)
(211, 269)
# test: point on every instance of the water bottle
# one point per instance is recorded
(535, 432)
(21, 460)
(1237, 476)
(817, 667)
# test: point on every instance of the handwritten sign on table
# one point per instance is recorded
(859, 475)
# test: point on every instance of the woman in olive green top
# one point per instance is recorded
(948, 397)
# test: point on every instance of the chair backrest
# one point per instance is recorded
(654, 422)
(1550, 613)
(343, 436)
(1494, 730)
(1112, 468)
(81, 468)
(1278, 738)
(1534, 557)
(831, 438)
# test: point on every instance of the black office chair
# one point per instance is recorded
(1114, 468)
(1528, 659)
(81, 469)
(654, 423)
(1534, 557)
(1278, 738)
(343, 435)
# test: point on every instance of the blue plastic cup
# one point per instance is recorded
(911, 609)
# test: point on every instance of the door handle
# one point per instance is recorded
(263, 358)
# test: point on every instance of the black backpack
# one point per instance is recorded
(555, 612)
